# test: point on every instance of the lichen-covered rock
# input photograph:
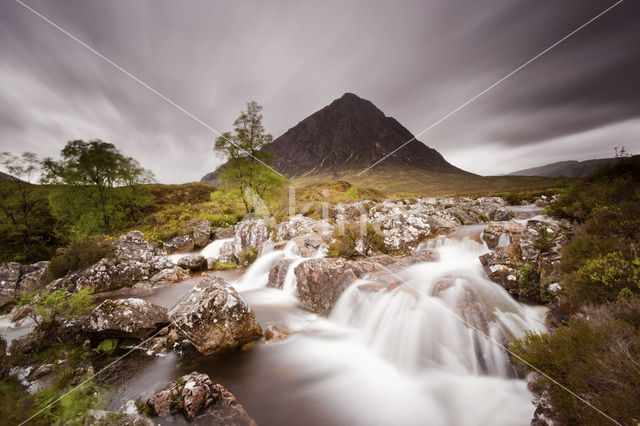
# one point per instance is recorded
(179, 244)
(502, 233)
(31, 276)
(226, 253)
(200, 400)
(298, 225)
(122, 318)
(133, 246)
(109, 274)
(9, 276)
(196, 233)
(502, 265)
(172, 274)
(251, 233)
(193, 263)
(223, 233)
(214, 317)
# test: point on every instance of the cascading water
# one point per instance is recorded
(402, 356)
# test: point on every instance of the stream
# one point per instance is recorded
(400, 357)
(403, 356)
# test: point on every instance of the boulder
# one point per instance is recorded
(200, 400)
(298, 225)
(320, 282)
(31, 276)
(179, 244)
(223, 233)
(250, 233)
(197, 233)
(123, 318)
(503, 265)
(109, 274)
(275, 333)
(214, 317)
(172, 275)
(133, 246)
(278, 272)
(193, 263)
(9, 276)
(508, 232)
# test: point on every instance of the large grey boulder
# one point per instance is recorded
(122, 318)
(193, 263)
(214, 317)
(197, 233)
(201, 401)
(109, 274)
(133, 246)
(320, 282)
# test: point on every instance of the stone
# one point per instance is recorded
(250, 233)
(275, 333)
(179, 244)
(193, 263)
(214, 317)
(509, 232)
(171, 275)
(32, 275)
(224, 233)
(201, 401)
(320, 282)
(133, 246)
(298, 225)
(9, 276)
(135, 318)
(109, 274)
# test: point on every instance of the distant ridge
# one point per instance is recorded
(569, 168)
(5, 176)
(347, 136)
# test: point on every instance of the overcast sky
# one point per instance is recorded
(415, 60)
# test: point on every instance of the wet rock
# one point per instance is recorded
(320, 282)
(193, 263)
(196, 233)
(41, 371)
(275, 333)
(214, 317)
(502, 265)
(226, 253)
(172, 275)
(114, 418)
(508, 232)
(403, 226)
(200, 400)
(122, 318)
(278, 272)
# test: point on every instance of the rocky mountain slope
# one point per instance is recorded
(347, 136)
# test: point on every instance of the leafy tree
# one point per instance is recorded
(25, 228)
(246, 165)
(100, 187)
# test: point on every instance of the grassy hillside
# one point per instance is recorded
(409, 181)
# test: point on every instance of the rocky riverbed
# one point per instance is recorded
(193, 325)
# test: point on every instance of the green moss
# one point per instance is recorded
(224, 266)
(107, 345)
(247, 256)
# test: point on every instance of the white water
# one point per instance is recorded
(406, 356)
(210, 250)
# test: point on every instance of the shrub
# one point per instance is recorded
(595, 358)
(601, 279)
(77, 255)
(352, 193)
(344, 243)
(247, 256)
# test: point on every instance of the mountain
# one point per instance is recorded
(570, 168)
(344, 138)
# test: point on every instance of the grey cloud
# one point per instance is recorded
(415, 60)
